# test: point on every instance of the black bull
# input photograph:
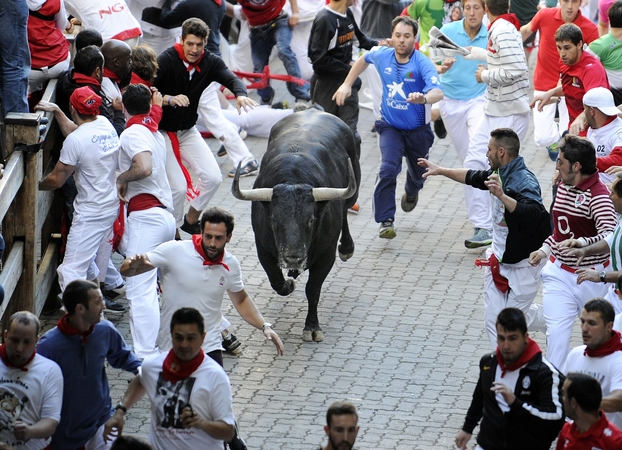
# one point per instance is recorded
(309, 178)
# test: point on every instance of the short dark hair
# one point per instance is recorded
(340, 409)
(126, 442)
(194, 26)
(188, 316)
(87, 60)
(569, 32)
(78, 292)
(615, 15)
(508, 139)
(405, 20)
(217, 215)
(498, 7)
(25, 318)
(137, 99)
(86, 37)
(512, 319)
(607, 313)
(617, 186)
(586, 390)
(144, 62)
(581, 150)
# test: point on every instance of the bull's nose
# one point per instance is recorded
(293, 262)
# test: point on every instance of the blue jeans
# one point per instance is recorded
(394, 145)
(14, 56)
(263, 38)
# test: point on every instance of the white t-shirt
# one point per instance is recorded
(137, 139)
(186, 282)
(605, 139)
(207, 390)
(112, 18)
(110, 88)
(93, 149)
(606, 369)
(29, 396)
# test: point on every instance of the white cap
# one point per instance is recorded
(601, 99)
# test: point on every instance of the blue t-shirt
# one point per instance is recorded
(399, 80)
(459, 82)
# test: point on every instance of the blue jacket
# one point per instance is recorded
(86, 397)
(530, 224)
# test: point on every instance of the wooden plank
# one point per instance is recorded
(45, 200)
(25, 302)
(46, 274)
(11, 181)
(11, 274)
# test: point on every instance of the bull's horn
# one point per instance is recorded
(251, 195)
(325, 194)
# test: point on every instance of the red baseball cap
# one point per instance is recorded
(85, 101)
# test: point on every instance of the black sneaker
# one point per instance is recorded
(248, 169)
(409, 202)
(113, 307)
(191, 228)
(222, 151)
(281, 105)
(231, 344)
(439, 128)
(114, 292)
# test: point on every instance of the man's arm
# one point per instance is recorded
(249, 312)
(513, 65)
(549, 406)
(43, 429)
(136, 265)
(612, 402)
(135, 391)
(526, 31)
(141, 168)
(215, 428)
(295, 17)
(65, 124)
(432, 169)
(57, 177)
(345, 89)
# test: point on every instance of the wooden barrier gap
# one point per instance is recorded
(28, 216)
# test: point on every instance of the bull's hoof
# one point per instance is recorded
(345, 256)
(312, 335)
(288, 288)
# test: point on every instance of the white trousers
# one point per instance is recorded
(196, 154)
(211, 113)
(300, 47)
(240, 54)
(524, 281)
(563, 300)
(97, 441)
(257, 121)
(88, 237)
(545, 130)
(38, 77)
(145, 231)
(158, 42)
(478, 201)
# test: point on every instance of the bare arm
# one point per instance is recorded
(295, 17)
(249, 312)
(43, 429)
(432, 169)
(65, 123)
(215, 428)
(526, 31)
(345, 89)
(142, 166)
(612, 402)
(57, 177)
(135, 265)
(135, 391)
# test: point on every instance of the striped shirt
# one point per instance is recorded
(583, 212)
(507, 77)
(614, 240)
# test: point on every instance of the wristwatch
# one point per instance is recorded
(121, 407)
(266, 324)
(602, 276)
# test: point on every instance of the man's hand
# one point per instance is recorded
(271, 335)
(587, 275)
(114, 425)
(446, 65)
(462, 438)
(117, 104)
(577, 126)
(478, 73)
(541, 100)
(342, 93)
(22, 431)
(431, 168)
(494, 185)
(121, 190)
(179, 100)
(570, 243)
(578, 253)
(244, 102)
(156, 97)
(476, 53)
(536, 257)
(506, 392)
(47, 106)
(613, 169)
(418, 98)
(294, 19)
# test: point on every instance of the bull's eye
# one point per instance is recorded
(311, 222)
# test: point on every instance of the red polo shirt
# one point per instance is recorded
(602, 435)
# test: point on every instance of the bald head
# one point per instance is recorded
(117, 57)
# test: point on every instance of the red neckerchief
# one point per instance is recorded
(113, 76)
(195, 65)
(612, 345)
(197, 241)
(8, 363)
(191, 192)
(531, 350)
(509, 17)
(135, 79)
(150, 120)
(174, 370)
(85, 79)
(65, 328)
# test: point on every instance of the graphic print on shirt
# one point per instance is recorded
(170, 400)
(11, 407)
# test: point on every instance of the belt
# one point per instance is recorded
(268, 24)
(568, 268)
